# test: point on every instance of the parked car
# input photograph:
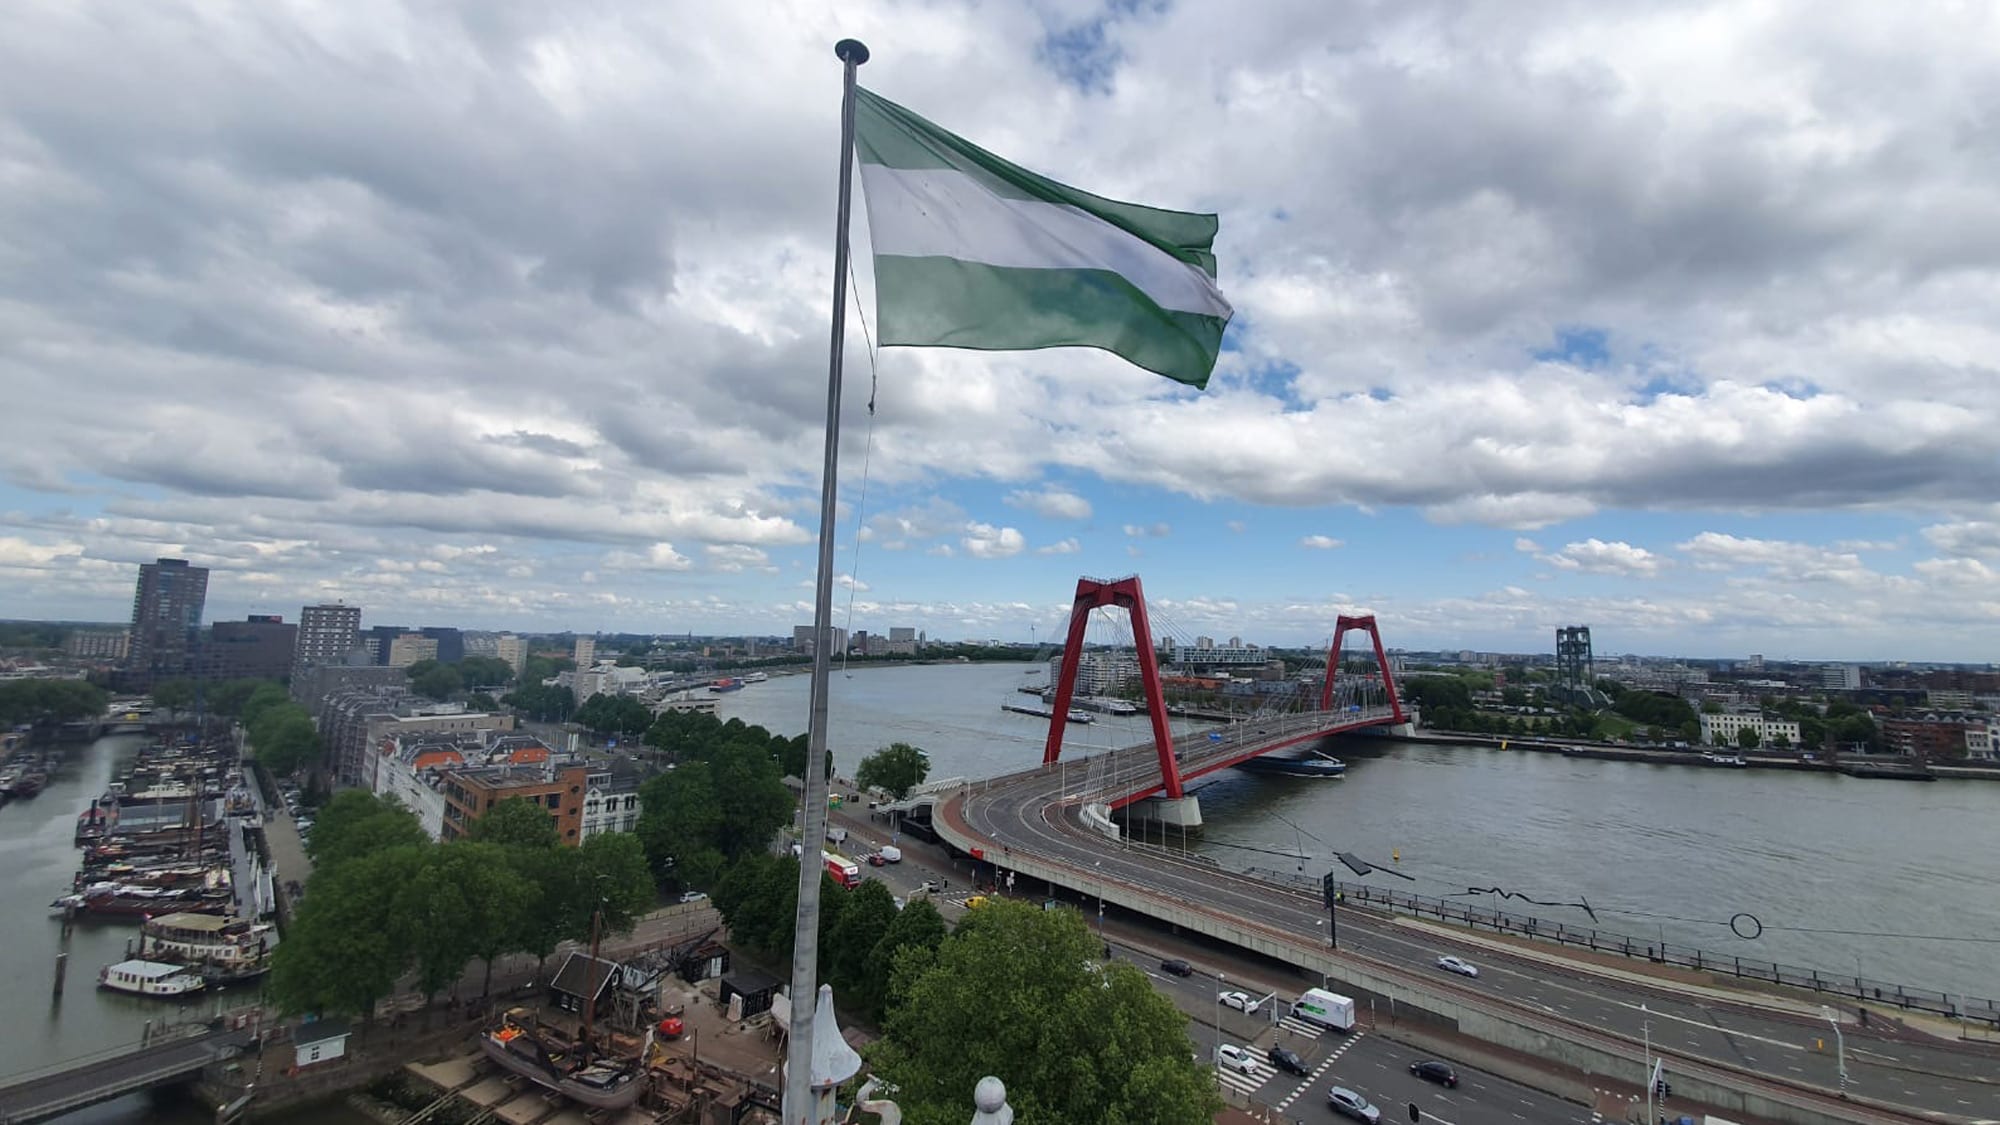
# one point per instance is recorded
(1347, 1103)
(1431, 1070)
(1456, 965)
(1287, 1060)
(1229, 1056)
(693, 896)
(1177, 968)
(1241, 1001)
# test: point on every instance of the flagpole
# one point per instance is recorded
(805, 946)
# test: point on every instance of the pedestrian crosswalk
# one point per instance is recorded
(1246, 1083)
(1321, 1068)
(1297, 1026)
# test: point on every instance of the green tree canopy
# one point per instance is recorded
(350, 940)
(433, 680)
(357, 823)
(229, 696)
(516, 822)
(1022, 992)
(614, 715)
(262, 698)
(1748, 738)
(679, 821)
(174, 695)
(544, 703)
(485, 671)
(613, 868)
(480, 701)
(896, 768)
(55, 701)
(284, 738)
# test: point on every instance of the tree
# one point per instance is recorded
(751, 799)
(896, 768)
(515, 822)
(356, 824)
(919, 928)
(437, 681)
(485, 671)
(613, 867)
(262, 699)
(284, 738)
(678, 820)
(174, 695)
(1780, 742)
(538, 668)
(1747, 738)
(52, 701)
(866, 914)
(1023, 992)
(489, 894)
(559, 901)
(350, 941)
(614, 714)
(1711, 707)
(480, 701)
(229, 696)
(544, 703)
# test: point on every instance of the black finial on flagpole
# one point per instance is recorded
(852, 51)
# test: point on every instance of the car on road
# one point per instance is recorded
(1177, 968)
(693, 896)
(876, 860)
(1241, 1001)
(1458, 965)
(1229, 1056)
(975, 902)
(1347, 1103)
(1287, 1060)
(1431, 1070)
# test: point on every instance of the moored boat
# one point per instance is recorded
(1319, 765)
(514, 1043)
(150, 978)
(726, 684)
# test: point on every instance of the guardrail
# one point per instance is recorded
(1973, 1009)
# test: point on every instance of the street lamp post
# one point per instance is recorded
(1647, 1027)
(1839, 1046)
(1217, 1053)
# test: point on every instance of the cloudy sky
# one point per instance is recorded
(1673, 319)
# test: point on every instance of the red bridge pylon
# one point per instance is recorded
(1362, 623)
(1091, 593)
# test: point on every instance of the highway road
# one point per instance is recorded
(1373, 1066)
(1038, 812)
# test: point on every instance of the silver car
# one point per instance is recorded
(1347, 1103)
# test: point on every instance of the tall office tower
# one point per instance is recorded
(327, 634)
(166, 614)
(514, 650)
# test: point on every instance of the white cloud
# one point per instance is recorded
(1062, 547)
(733, 558)
(1237, 526)
(1322, 542)
(1051, 503)
(1146, 531)
(1781, 559)
(985, 541)
(1527, 545)
(1595, 556)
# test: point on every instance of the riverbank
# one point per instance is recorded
(1851, 765)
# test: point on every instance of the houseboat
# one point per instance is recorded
(149, 978)
(223, 949)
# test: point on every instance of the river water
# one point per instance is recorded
(44, 1029)
(1902, 869)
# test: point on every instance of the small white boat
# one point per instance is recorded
(150, 978)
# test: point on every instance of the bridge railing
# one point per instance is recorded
(1859, 989)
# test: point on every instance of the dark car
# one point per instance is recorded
(1177, 968)
(1347, 1103)
(1431, 1070)
(1286, 1059)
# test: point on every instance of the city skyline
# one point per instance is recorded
(1545, 316)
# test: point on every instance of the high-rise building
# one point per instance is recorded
(514, 650)
(802, 638)
(327, 634)
(376, 642)
(259, 648)
(450, 643)
(166, 612)
(104, 644)
(582, 684)
(410, 648)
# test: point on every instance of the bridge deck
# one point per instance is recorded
(1132, 773)
(87, 1081)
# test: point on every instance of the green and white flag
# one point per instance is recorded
(974, 252)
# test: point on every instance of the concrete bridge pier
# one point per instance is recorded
(1183, 813)
(1402, 730)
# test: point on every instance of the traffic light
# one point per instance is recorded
(1661, 1088)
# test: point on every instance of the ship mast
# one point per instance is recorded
(590, 977)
